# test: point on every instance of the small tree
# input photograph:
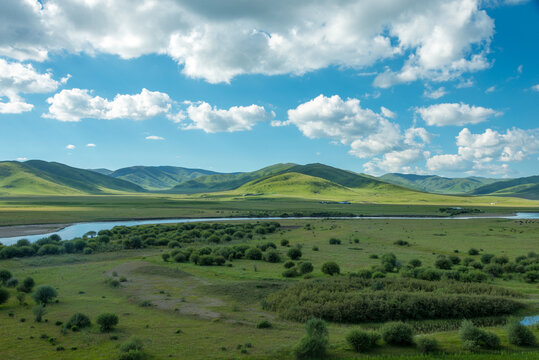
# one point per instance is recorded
(272, 256)
(314, 344)
(305, 268)
(39, 311)
(21, 297)
(4, 295)
(362, 340)
(294, 253)
(78, 321)
(165, 257)
(331, 268)
(107, 321)
(520, 335)
(27, 285)
(5, 275)
(253, 254)
(427, 345)
(397, 333)
(44, 294)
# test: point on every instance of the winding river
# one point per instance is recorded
(79, 229)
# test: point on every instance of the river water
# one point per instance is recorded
(79, 229)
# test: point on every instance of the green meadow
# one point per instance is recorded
(181, 309)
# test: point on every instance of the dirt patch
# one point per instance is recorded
(166, 289)
(27, 230)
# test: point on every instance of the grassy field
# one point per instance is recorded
(68, 209)
(211, 312)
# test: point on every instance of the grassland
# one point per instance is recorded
(216, 308)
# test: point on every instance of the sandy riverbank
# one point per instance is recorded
(26, 230)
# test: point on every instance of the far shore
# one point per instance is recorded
(27, 230)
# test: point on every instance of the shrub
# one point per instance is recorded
(27, 285)
(4, 295)
(205, 260)
(334, 241)
(389, 262)
(427, 345)
(331, 268)
(494, 269)
(272, 256)
(180, 257)
(165, 257)
(107, 321)
(44, 294)
(284, 242)
(454, 259)
(520, 335)
(315, 248)
(473, 252)
(378, 275)
(13, 282)
(114, 283)
(315, 342)
(253, 254)
(443, 263)
(264, 324)
(415, 263)
(486, 258)
(473, 337)
(289, 264)
(305, 268)
(131, 350)
(531, 276)
(292, 272)
(39, 311)
(364, 274)
(501, 260)
(362, 341)
(5, 275)
(397, 333)
(79, 321)
(294, 253)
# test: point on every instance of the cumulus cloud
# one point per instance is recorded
(455, 114)
(388, 113)
(154, 137)
(70, 147)
(435, 94)
(17, 79)
(21, 159)
(535, 87)
(489, 151)
(397, 161)
(76, 104)
(366, 132)
(210, 119)
(216, 40)
(90, 145)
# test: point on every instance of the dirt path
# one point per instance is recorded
(166, 289)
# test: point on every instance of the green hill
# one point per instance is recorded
(36, 177)
(225, 182)
(338, 176)
(437, 184)
(158, 177)
(526, 187)
(296, 184)
(102, 171)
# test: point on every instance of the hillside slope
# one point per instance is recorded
(526, 187)
(36, 177)
(437, 184)
(159, 177)
(225, 182)
(295, 184)
(338, 176)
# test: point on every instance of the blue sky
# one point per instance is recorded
(443, 87)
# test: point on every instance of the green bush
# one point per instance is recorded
(427, 345)
(415, 263)
(284, 242)
(13, 282)
(334, 241)
(131, 350)
(289, 264)
(165, 257)
(331, 268)
(253, 254)
(79, 321)
(4, 295)
(5, 275)
(107, 321)
(27, 285)
(473, 337)
(44, 294)
(362, 341)
(364, 274)
(473, 252)
(397, 333)
(305, 268)
(486, 258)
(292, 272)
(294, 253)
(264, 324)
(39, 311)
(520, 335)
(272, 256)
(314, 344)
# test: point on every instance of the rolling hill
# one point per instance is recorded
(296, 184)
(437, 184)
(338, 176)
(158, 177)
(36, 177)
(225, 182)
(526, 187)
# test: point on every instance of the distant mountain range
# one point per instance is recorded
(37, 177)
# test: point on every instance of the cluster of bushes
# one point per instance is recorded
(207, 256)
(474, 338)
(135, 237)
(366, 300)
(9, 281)
(301, 268)
(78, 321)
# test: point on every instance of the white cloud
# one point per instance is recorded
(70, 147)
(487, 152)
(17, 79)
(435, 94)
(90, 145)
(491, 89)
(455, 114)
(154, 137)
(535, 87)
(22, 159)
(217, 41)
(237, 118)
(77, 104)
(388, 113)
(367, 133)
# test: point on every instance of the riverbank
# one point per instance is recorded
(29, 230)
